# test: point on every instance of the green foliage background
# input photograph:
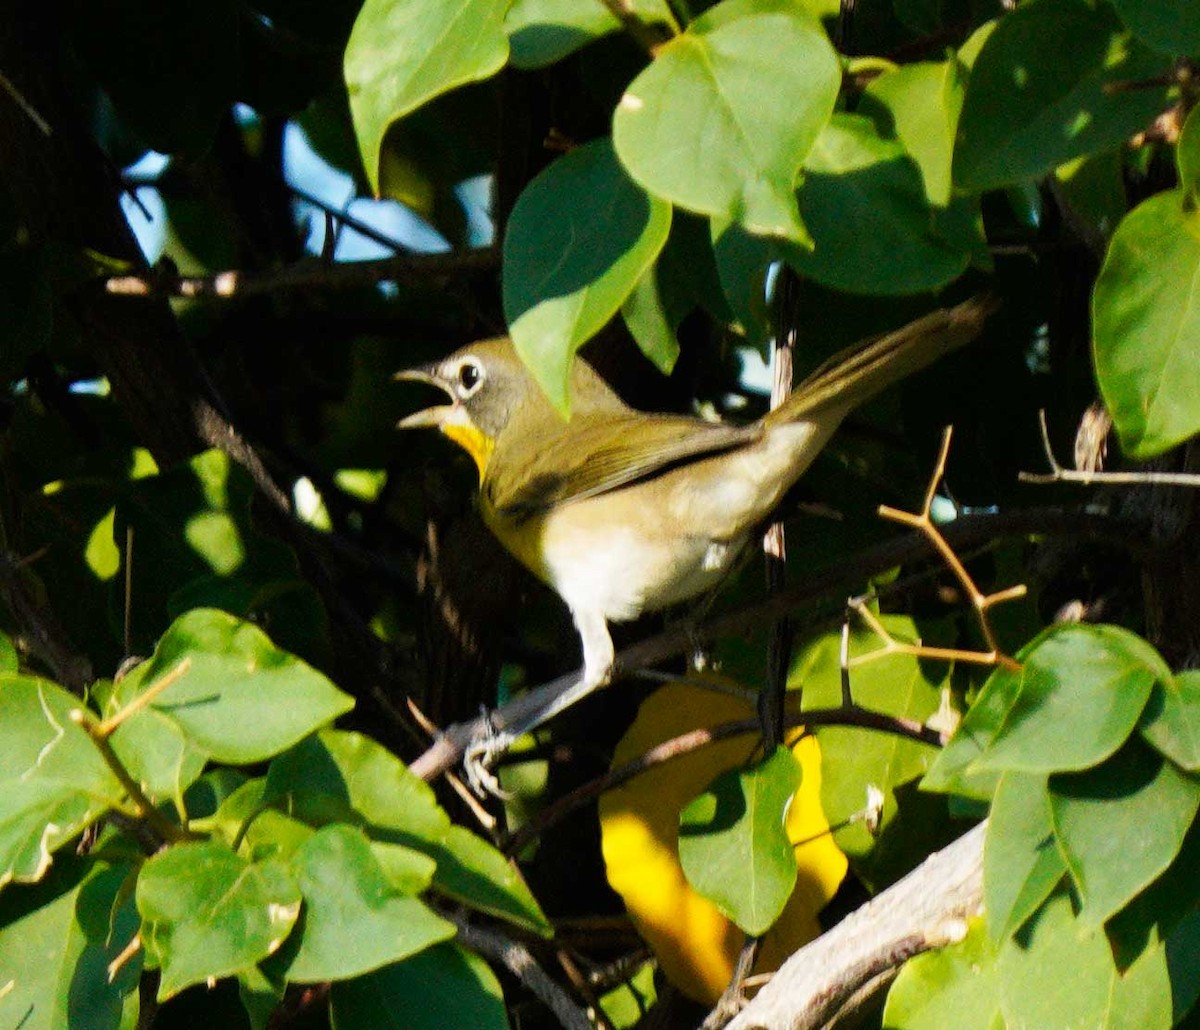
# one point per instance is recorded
(199, 471)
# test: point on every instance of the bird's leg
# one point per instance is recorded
(598, 660)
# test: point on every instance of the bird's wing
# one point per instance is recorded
(600, 453)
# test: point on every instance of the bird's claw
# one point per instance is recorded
(480, 757)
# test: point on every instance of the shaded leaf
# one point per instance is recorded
(898, 685)
(443, 986)
(541, 32)
(209, 913)
(1121, 825)
(173, 105)
(722, 120)
(1034, 992)
(854, 177)
(1171, 721)
(733, 844)
(1172, 26)
(1033, 103)
(580, 238)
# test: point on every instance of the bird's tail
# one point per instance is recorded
(853, 376)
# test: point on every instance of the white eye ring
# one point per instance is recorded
(469, 378)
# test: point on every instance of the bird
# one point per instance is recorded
(624, 512)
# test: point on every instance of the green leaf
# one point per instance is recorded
(722, 120)
(209, 913)
(742, 264)
(1093, 188)
(1034, 991)
(541, 32)
(353, 919)
(53, 781)
(1146, 326)
(1187, 157)
(920, 103)
(334, 775)
(1121, 825)
(733, 844)
(9, 661)
(474, 872)
(236, 696)
(580, 238)
(443, 986)
(955, 986)
(402, 53)
(1021, 861)
(854, 177)
(650, 322)
(56, 942)
(1172, 26)
(854, 762)
(1155, 914)
(1034, 103)
(1083, 689)
(1171, 721)
(956, 768)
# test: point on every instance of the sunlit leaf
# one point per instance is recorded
(353, 920)
(1021, 861)
(404, 52)
(1121, 825)
(580, 239)
(233, 695)
(1146, 325)
(722, 120)
(53, 781)
(209, 913)
(733, 843)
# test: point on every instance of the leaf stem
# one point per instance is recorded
(146, 808)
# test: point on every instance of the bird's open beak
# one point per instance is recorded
(429, 418)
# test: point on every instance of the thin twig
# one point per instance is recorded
(26, 107)
(647, 36)
(733, 998)
(518, 960)
(146, 809)
(695, 740)
(310, 273)
(1059, 474)
(979, 600)
(108, 726)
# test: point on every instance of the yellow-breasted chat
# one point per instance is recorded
(623, 512)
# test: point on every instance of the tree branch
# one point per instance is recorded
(927, 909)
(310, 273)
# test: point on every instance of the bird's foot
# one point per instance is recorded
(480, 758)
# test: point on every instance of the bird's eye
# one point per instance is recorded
(469, 377)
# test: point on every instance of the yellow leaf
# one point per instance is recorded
(695, 944)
